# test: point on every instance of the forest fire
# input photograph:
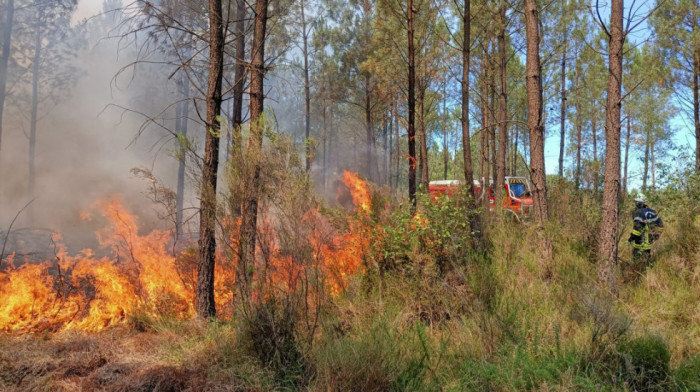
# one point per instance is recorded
(89, 293)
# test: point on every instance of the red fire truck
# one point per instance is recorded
(517, 197)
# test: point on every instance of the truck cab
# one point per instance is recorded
(517, 196)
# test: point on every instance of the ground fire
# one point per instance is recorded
(91, 293)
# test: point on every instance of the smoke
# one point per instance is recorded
(86, 146)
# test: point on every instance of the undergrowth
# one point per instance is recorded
(437, 310)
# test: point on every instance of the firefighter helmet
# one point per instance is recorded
(640, 199)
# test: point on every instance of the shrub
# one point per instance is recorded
(376, 359)
(645, 362)
(687, 376)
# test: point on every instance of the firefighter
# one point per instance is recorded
(647, 229)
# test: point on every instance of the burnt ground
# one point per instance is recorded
(117, 360)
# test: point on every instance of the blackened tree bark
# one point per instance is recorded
(607, 264)
(239, 76)
(562, 116)
(536, 125)
(250, 207)
(411, 108)
(205, 306)
(4, 61)
(503, 112)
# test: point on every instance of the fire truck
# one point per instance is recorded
(517, 196)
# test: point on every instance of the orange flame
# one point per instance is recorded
(358, 190)
(142, 275)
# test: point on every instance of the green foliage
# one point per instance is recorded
(687, 376)
(376, 357)
(271, 330)
(440, 233)
(645, 362)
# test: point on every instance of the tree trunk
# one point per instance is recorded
(486, 132)
(205, 306)
(596, 169)
(391, 149)
(239, 77)
(503, 112)
(250, 214)
(370, 129)
(397, 136)
(607, 264)
(445, 152)
(516, 136)
(627, 150)
(182, 109)
(411, 108)
(475, 222)
(653, 167)
(579, 125)
(646, 163)
(424, 172)
(562, 110)
(696, 108)
(325, 138)
(385, 172)
(536, 125)
(4, 61)
(307, 93)
(34, 112)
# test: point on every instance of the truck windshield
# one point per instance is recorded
(518, 189)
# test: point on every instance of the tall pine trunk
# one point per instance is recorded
(397, 137)
(424, 171)
(503, 112)
(596, 169)
(536, 125)
(249, 223)
(411, 107)
(239, 77)
(5, 59)
(646, 161)
(607, 264)
(696, 107)
(370, 128)
(181, 122)
(205, 306)
(475, 222)
(627, 150)
(307, 93)
(562, 116)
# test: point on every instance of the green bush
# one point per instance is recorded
(645, 362)
(377, 358)
(687, 376)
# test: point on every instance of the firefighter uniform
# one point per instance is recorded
(647, 229)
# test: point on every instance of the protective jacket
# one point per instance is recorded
(647, 228)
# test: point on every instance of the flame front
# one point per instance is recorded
(143, 276)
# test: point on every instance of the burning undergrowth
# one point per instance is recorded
(143, 276)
